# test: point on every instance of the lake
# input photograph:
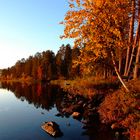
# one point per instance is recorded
(23, 109)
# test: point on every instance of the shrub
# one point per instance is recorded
(122, 109)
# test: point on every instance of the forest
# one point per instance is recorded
(106, 50)
(45, 66)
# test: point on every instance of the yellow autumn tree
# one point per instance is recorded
(99, 28)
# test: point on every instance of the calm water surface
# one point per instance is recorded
(24, 108)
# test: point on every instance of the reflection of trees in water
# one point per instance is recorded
(46, 96)
(41, 95)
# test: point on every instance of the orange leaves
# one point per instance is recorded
(78, 2)
(39, 72)
(122, 108)
(97, 25)
(71, 5)
(99, 3)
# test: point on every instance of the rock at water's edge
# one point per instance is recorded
(76, 114)
(52, 128)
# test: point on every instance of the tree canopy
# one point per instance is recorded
(102, 29)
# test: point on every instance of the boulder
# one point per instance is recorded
(76, 115)
(52, 129)
(115, 126)
(73, 108)
(59, 115)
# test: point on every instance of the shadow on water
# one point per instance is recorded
(40, 95)
(46, 96)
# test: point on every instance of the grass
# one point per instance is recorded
(87, 86)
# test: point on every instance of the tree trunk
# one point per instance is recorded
(135, 76)
(130, 40)
(105, 72)
(120, 62)
(135, 41)
(133, 48)
(117, 72)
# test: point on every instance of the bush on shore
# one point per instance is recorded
(122, 109)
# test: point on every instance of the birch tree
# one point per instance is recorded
(99, 28)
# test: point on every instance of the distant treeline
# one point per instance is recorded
(45, 66)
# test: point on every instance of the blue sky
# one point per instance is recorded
(30, 26)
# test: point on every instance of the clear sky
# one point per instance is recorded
(30, 26)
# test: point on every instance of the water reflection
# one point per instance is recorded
(41, 95)
(51, 99)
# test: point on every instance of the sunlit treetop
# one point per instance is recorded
(97, 26)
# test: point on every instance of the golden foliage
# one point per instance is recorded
(97, 26)
(122, 108)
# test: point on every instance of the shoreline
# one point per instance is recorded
(116, 108)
